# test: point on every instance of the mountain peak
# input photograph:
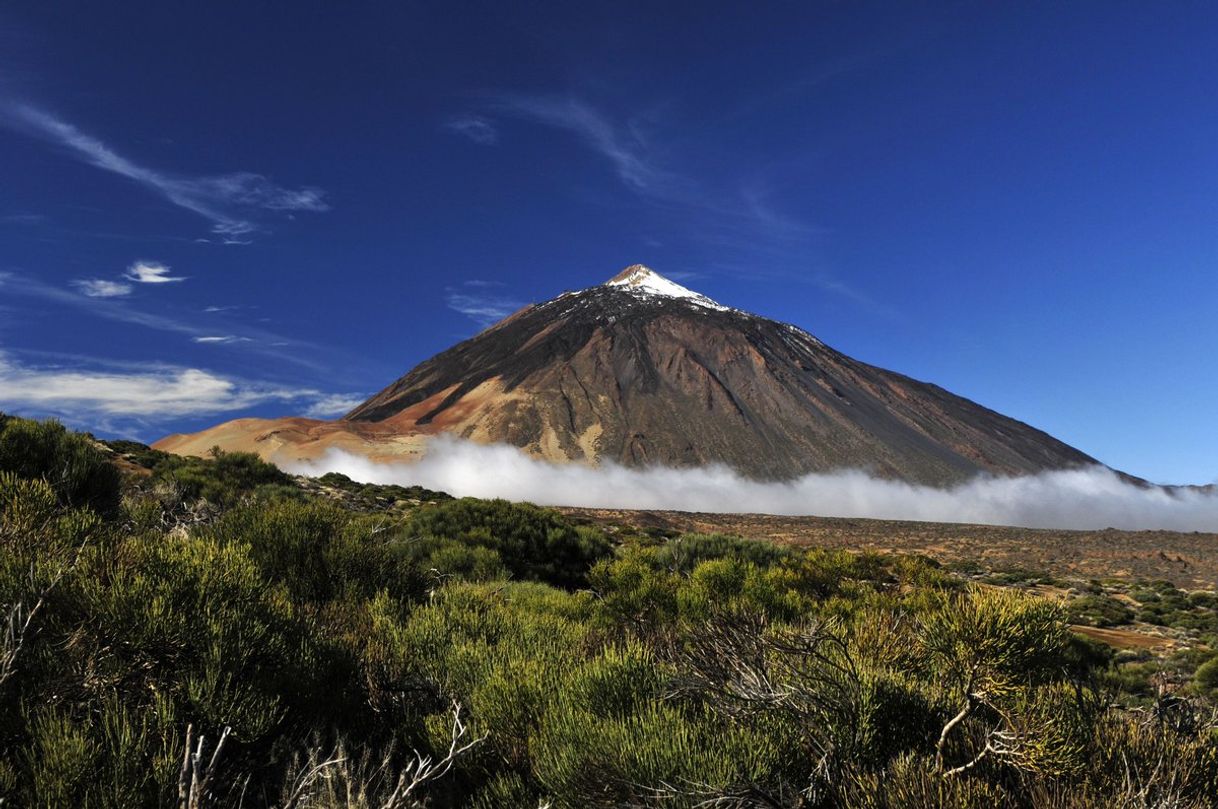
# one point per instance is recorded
(641, 371)
(634, 274)
(642, 279)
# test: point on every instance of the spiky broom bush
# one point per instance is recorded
(79, 473)
(704, 672)
(534, 543)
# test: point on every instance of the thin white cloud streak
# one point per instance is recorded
(214, 198)
(739, 216)
(141, 272)
(303, 353)
(743, 207)
(485, 310)
(101, 288)
(334, 405)
(620, 146)
(151, 272)
(154, 393)
(474, 128)
(16, 284)
(1090, 498)
(29, 219)
(221, 339)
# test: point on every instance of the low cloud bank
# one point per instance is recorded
(1087, 498)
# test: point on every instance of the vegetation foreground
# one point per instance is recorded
(207, 633)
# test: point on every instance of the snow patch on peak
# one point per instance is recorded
(638, 278)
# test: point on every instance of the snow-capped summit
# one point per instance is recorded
(647, 281)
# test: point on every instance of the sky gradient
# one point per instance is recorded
(271, 208)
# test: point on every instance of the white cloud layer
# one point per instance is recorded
(334, 405)
(1090, 498)
(101, 288)
(221, 339)
(474, 127)
(151, 394)
(151, 272)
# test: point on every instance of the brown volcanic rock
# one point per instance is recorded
(641, 371)
(295, 438)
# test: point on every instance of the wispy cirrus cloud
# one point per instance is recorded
(221, 339)
(740, 209)
(140, 272)
(102, 288)
(27, 219)
(739, 214)
(16, 284)
(475, 128)
(475, 300)
(334, 405)
(629, 155)
(284, 349)
(151, 272)
(226, 200)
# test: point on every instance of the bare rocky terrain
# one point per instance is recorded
(1189, 560)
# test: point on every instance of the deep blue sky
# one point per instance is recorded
(1016, 201)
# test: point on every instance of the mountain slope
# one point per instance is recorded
(643, 371)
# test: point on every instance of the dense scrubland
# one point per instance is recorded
(214, 632)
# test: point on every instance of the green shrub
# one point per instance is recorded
(197, 620)
(895, 716)
(993, 639)
(140, 454)
(375, 494)
(731, 585)
(1204, 599)
(633, 592)
(1206, 677)
(223, 479)
(683, 554)
(78, 471)
(990, 650)
(909, 782)
(534, 543)
(699, 671)
(506, 791)
(588, 760)
(617, 681)
(1098, 610)
(319, 551)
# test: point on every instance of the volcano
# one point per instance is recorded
(642, 371)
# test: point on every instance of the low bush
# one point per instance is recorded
(1205, 679)
(224, 479)
(1099, 610)
(533, 543)
(494, 655)
(76, 468)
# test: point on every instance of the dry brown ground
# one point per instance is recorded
(1127, 638)
(1189, 560)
